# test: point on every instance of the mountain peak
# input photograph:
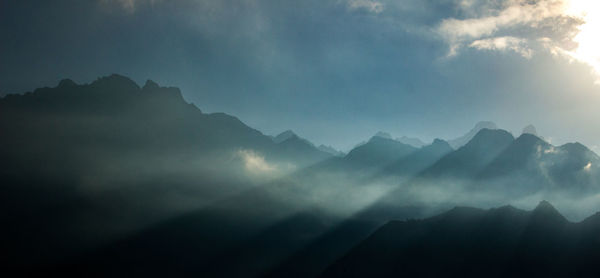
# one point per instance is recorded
(440, 145)
(530, 129)
(438, 141)
(383, 134)
(545, 210)
(463, 140)
(382, 139)
(529, 139)
(379, 150)
(115, 82)
(284, 136)
(66, 83)
(544, 205)
(491, 135)
(150, 85)
(484, 124)
(575, 148)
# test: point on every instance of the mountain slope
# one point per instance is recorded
(472, 157)
(468, 242)
(415, 142)
(378, 151)
(530, 164)
(303, 152)
(418, 160)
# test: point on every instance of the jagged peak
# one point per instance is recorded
(288, 132)
(440, 142)
(528, 138)
(381, 139)
(116, 81)
(463, 140)
(66, 83)
(529, 129)
(150, 85)
(575, 147)
(547, 210)
(383, 134)
(485, 124)
(544, 205)
(284, 136)
(486, 133)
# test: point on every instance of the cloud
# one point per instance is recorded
(517, 45)
(255, 163)
(513, 24)
(367, 5)
(564, 28)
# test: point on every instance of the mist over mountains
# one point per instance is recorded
(113, 179)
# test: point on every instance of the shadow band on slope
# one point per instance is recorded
(469, 242)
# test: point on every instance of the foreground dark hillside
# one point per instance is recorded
(469, 242)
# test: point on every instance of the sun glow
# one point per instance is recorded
(588, 38)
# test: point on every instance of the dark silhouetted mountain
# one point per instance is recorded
(114, 112)
(204, 243)
(463, 140)
(415, 142)
(313, 259)
(530, 129)
(469, 242)
(85, 163)
(379, 151)
(472, 157)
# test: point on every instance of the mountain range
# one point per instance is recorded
(129, 180)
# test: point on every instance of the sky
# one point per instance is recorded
(334, 71)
